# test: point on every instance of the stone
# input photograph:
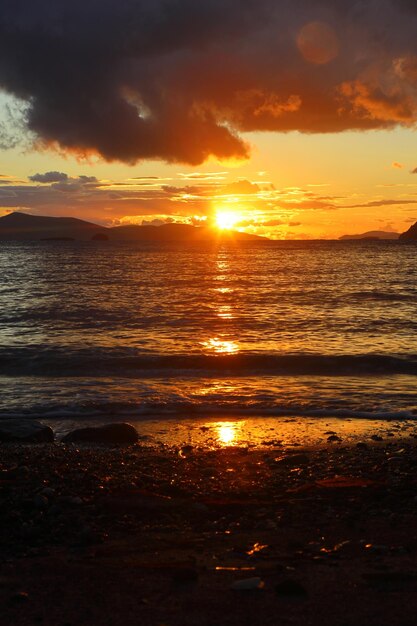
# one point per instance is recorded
(109, 434)
(248, 584)
(40, 502)
(291, 589)
(24, 431)
(334, 438)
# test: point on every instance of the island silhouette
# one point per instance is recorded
(18, 226)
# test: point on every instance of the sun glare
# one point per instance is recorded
(226, 219)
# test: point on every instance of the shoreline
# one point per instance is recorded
(158, 534)
(252, 432)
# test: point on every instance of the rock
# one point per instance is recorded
(70, 501)
(19, 598)
(361, 445)
(110, 434)
(24, 431)
(248, 584)
(291, 589)
(334, 438)
(186, 451)
(377, 438)
(40, 502)
(184, 575)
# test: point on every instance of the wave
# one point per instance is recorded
(105, 413)
(99, 362)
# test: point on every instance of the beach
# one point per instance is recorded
(165, 534)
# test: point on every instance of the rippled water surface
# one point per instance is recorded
(290, 327)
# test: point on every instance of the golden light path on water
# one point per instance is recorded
(221, 346)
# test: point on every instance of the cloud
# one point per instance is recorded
(49, 177)
(181, 80)
(241, 187)
(379, 203)
(414, 171)
(397, 166)
(62, 182)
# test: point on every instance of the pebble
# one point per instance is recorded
(248, 584)
(19, 598)
(291, 589)
(40, 502)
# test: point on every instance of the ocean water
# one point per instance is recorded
(100, 330)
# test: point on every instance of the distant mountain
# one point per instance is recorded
(410, 234)
(372, 234)
(178, 232)
(23, 227)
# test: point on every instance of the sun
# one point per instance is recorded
(226, 219)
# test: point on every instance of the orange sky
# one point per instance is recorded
(294, 186)
(297, 120)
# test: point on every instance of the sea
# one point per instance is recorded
(98, 331)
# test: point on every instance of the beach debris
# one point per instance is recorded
(248, 584)
(292, 460)
(24, 431)
(291, 589)
(109, 434)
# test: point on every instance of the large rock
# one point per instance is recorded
(110, 434)
(25, 431)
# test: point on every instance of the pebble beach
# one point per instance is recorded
(152, 533)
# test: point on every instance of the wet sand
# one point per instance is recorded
(159, 534)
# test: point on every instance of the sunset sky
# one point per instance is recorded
(296, 117)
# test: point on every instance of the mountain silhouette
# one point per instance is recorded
(410, 234)
(372, 234)
(19, 226)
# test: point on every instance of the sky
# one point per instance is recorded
(294, 119)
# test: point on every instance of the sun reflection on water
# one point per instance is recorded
(228, 433)
(225, 312)
(220, 346)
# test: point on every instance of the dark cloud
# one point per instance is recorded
(62, 182)
(179, 80)
(49, 177)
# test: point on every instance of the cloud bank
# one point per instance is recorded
(181, 80)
